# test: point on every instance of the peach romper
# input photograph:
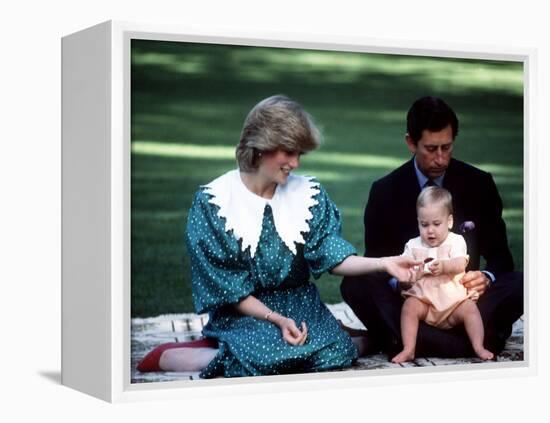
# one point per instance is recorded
(443, 293)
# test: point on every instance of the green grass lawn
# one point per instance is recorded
(189, 102)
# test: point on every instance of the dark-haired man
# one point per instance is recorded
(390, 220)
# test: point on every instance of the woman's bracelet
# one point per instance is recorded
(269, 314)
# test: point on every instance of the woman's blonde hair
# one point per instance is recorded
(275, 123)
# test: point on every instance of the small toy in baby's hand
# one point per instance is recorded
(422, 269)
(427, 262)
(421, 254)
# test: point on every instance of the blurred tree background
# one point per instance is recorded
(189, 102)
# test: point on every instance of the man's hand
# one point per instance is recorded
(475, 281)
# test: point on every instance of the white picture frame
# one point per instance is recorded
(96, 219)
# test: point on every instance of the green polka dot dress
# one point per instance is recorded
(223, 274)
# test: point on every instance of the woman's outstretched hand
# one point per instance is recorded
(401, 267)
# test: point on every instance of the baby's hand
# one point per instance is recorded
(436, 267)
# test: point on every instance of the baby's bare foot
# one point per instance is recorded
(484, 354)
(403, 356)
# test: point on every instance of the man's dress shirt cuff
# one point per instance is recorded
(490, 276)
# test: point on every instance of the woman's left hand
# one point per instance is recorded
(401, 267)
(290, 331)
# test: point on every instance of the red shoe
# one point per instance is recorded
(150, 363)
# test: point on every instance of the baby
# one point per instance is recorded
(437, 297)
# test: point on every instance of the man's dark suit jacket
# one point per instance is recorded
(390, 216)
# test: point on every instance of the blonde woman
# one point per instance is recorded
(255, 236)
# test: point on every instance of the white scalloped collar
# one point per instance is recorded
(244, 211)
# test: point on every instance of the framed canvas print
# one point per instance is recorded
(243, 212)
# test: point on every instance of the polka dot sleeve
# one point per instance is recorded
(325, 248)
(218, 273)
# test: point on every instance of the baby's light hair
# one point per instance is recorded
(435, 194)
